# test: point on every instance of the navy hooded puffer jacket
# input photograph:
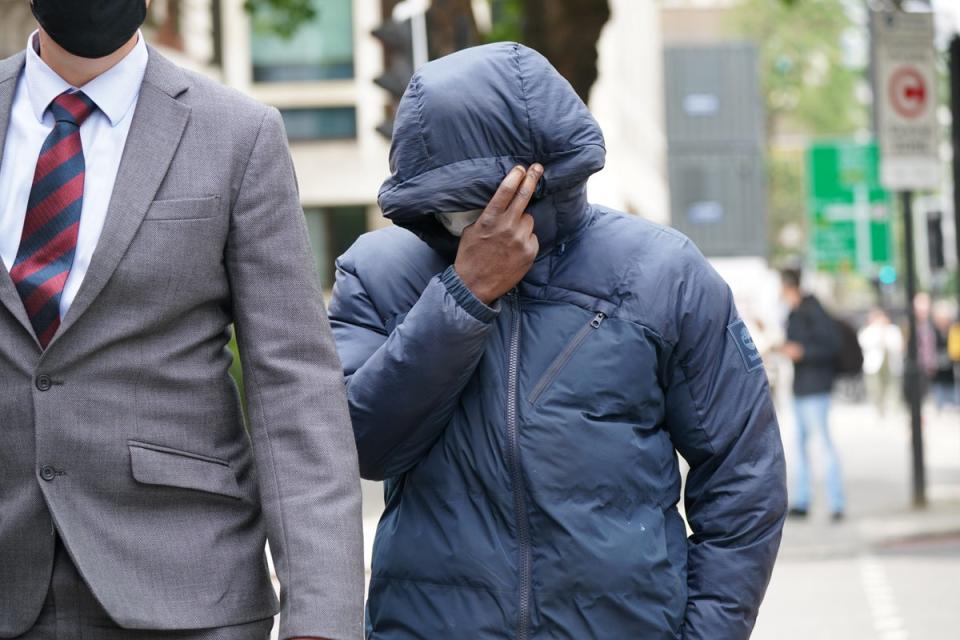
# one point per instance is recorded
(529, 449)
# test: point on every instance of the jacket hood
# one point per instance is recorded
(466, 119)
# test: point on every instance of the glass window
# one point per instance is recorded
(332, 231)
(322, 49)
(320, 123)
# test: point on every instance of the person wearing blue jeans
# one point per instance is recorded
(812, 414)
(813, 344)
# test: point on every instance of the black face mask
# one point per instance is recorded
(90, 28)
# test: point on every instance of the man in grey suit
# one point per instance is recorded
(143, 210)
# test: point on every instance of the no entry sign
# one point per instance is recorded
(908, 91)
(905, 100)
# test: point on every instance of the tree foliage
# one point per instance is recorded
(565, 31)
(808, 88)
(451, 26)
(283, 17)
(806, 83)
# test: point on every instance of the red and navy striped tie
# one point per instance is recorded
(49, 239)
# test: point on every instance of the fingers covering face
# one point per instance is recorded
(526, 190)
(505, 192)
(515, 191)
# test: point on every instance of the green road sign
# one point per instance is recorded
(849, 211)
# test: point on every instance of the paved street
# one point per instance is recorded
(901, 593)
(888, 572)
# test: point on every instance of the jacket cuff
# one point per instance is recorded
(465, 298)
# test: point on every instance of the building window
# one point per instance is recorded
(332, 231)
(322, 49)
(320, 123)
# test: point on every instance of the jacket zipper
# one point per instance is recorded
(561, 361)
(516, 473)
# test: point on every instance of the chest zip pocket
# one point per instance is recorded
(561, 360)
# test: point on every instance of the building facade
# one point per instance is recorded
(321, 80)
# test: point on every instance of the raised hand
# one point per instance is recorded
(499, 248)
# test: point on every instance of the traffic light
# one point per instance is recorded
(935, 240)
(397, 39)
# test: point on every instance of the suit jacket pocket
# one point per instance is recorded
(184, 208)
(159, 465)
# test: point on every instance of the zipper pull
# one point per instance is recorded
(598, 320)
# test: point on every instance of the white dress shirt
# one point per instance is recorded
(103, 136)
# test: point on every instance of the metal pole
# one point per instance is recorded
(872, 65)
(912, 372)
(955, 137)
(419, 27)
(954, 64)
(416, 11)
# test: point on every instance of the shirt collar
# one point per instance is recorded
(114, 91)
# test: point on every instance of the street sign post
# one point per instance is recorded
(906, 116)
(905, 99)
(848, 208)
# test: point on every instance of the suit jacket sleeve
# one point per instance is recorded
(404, 385)
(299, 423)
(722, 420)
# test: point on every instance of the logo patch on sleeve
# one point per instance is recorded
(748, 350)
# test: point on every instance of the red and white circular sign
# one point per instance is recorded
(907, 91)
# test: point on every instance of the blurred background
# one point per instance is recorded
(812, 134)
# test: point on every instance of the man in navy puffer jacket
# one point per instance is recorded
(528, 443)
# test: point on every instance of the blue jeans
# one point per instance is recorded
(945, 394)
(812, 412)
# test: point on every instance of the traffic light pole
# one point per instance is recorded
(912, 372)
(405, 48)
(955, 137)
(418, 26)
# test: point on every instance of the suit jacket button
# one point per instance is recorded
(44, 383)
(48, 473)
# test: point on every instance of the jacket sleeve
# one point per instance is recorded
(721, 419)
(404, 385)
(299, 424)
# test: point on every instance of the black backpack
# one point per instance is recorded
(849, 361)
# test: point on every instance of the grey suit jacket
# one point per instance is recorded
(126, 436)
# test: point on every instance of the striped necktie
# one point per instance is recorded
(49, 239)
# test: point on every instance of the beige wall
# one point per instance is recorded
(627, 101)
(696, 25)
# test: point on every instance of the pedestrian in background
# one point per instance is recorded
(953, 350)
(813, 344)
(882, 344)
(926, 342)
(945, 390)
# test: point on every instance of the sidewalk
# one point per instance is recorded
(877, 469)
(889, 571)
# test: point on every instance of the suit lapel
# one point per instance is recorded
(158, 124)
(9, 73)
